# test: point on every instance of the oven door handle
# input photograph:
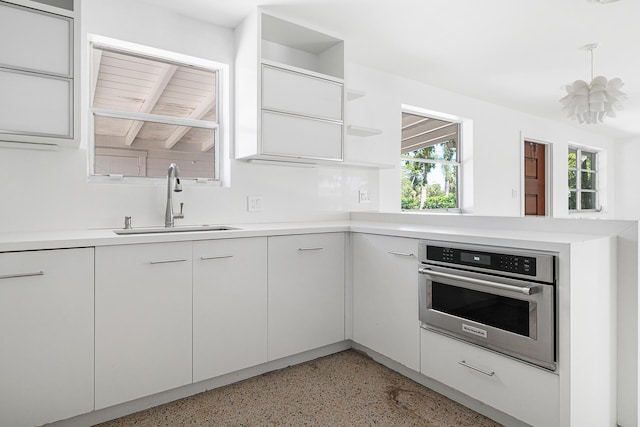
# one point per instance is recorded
(527, 290)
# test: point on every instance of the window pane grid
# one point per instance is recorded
(149, 111)
(582, 180)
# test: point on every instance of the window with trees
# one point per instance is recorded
(430, 158)
(583, 179)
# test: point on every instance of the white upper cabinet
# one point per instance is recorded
(39, 73)
(297, 93)
(283, 133)
(294, 72)
(46, 50)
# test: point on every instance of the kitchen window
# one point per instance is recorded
(583, 179)
(430, 155)
(150, 108)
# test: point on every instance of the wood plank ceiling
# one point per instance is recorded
(420, 132)
(135, 84)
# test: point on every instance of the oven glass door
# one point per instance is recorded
(502, 312)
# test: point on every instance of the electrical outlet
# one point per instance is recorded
(363, 196)
(255, 204)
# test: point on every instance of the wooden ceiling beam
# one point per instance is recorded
(197, 114)
(161, 84)
(430, 138)
(426, 131)
(96, 58)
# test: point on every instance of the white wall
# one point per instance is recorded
(627, 153)
(50, 190)
(493, 172)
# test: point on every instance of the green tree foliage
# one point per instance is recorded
(417, 192)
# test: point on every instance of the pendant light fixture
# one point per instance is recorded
(592, 102)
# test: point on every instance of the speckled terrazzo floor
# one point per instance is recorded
(344, 389)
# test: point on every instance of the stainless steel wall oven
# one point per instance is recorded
(499, 298)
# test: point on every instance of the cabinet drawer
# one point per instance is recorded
(520, 390)
(291, 92)
(35, 104)
(34, 40)
(294, 136)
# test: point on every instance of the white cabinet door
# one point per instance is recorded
(46, 336)
(34, 40)
(38, 101)
(293, 136)
(385, 296)
(229, 305)
(143, 320)
(297, 93)
(306, 292)
(35, 104)
(527, 393)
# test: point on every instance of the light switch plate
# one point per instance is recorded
(363, 196)
(255, 204)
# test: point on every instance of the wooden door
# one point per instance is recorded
(534, 178)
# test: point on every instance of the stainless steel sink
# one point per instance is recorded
(186, 229)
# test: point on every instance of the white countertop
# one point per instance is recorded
(18, 241)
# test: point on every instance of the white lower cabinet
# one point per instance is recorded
(46, 335)
(385, 296)
(306, 292)
(229, 305)
(143, 315)
(527, 393)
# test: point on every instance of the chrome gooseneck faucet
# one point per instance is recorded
(169, 215)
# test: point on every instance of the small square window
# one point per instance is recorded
(430, 158)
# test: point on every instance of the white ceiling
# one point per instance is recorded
(516, 53)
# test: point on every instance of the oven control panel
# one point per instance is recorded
(519, 264)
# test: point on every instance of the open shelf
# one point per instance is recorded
(298, 46)
(362, 131)
(353, 94)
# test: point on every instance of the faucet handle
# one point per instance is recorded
(179, 215)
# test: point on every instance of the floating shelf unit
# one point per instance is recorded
(362, 131)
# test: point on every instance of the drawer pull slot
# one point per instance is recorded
(205, 258)
(15, 276)
(482, 371)
(401, 254)
(168, 261)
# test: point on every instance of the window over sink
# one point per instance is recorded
(150, 108)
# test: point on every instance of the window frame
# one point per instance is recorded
(579, 170)
(220, 127)
(457, 164)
